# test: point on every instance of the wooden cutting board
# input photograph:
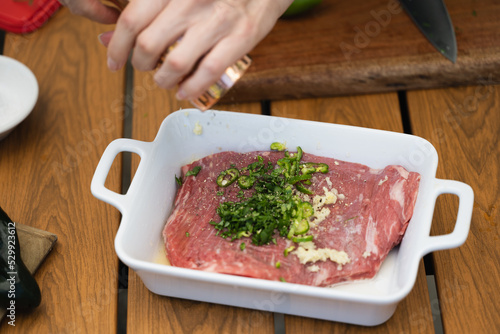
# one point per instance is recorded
(35, 245)
(367, 46)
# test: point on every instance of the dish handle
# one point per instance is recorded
(464, 215)
(116, 147)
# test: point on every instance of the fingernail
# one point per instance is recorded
(112, 65)
(105, 38)
(99, 37)
(181, 95)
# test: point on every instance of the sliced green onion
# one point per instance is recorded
(303, 239)
(288, 250)
(245, 182)
(307, 209)
(299, 154)
(322, 168)
(312, 167)
(227, 177)
(276, 146)
(243, 234)
(302, 189)
(301, 226)
(297, 178)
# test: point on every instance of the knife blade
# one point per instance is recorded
(433, 20)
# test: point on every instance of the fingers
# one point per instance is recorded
(210, 36)
(196, 42)
(238, 35)
(131, 22)
(102, 14)
(154, 40)
(212, 67)
(92, 9)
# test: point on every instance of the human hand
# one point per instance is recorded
(211, 35)
(92, 9)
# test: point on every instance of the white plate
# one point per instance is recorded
(18, 94)
(149, 199)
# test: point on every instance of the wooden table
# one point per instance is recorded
(47, 163)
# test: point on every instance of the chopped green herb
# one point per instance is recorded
(282, 279)
(474, 13)
(194, 171)
(242, 246)
(220, 193)
(278, 265)
(187, 234)
(272, 208)
(178, 180)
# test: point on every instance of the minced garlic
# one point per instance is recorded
(328, 198)
(307, 252)
(319, 216)
(318, 203)
(198, 129)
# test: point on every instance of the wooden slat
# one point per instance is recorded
(46, 167)
(413, 314)
(150, 313)
(366, 46)
(464, 126)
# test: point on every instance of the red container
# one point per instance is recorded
(24, 16)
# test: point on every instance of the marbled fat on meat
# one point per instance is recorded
(366, 223)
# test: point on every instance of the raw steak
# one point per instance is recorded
(367, 221)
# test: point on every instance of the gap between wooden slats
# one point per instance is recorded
(428, 259)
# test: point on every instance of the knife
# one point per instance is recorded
(433, 20)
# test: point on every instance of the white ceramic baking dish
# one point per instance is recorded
(149, 199)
